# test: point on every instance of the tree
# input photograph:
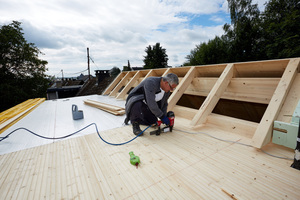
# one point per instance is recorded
(242, 40)
(128, 65)
(22, 73)
(115, 71)
(215, 51)
(280, 20)
(156, 57)
(127, 68)
(252, 35)
(244, 33)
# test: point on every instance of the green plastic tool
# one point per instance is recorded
(134, 160)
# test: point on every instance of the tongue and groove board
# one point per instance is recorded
(174, 165)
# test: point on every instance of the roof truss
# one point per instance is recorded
(264, 82)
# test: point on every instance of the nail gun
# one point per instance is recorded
(167, 128)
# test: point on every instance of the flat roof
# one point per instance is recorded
(53, 118)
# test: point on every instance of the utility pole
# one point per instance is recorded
(88, 57)
(62, 75)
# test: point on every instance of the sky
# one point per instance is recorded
(115, 31)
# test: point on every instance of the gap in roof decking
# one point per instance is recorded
(238, 109)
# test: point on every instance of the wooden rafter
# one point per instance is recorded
(121, 84)
(122, 94)
(114, 83)
(214, 96)
(263, 132)
(266, 83)
(183, 85)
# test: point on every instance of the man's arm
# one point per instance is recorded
(150, 88)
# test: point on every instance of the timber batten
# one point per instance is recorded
(261, 82)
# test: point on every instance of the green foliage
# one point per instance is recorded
(281, 22)
(272, 34)
(127, 68)
(128, 65)
(115, 71)
(215, 51)
(244, 33)
(22, 73)
(156, 57)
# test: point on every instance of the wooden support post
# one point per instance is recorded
(183, 85)
(150, 73)
(121, 83)
(129, 85)
(166, 72)
(113, 84)
(263, 132)
(214, 96)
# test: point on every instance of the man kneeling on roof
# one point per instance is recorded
(149, 101)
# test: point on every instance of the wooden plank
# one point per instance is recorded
(183, 85)
(166, 71)
(18, 112)
(263, 133)
(129, 85)
(184, 112)
(121, 84)
(160, 71)
(149, 74)
(233, 125)
(214, 96)
(267, 68)
(105, 105)
(256, 90)
(108, 90)
(291, 102)
(173, 165)
(210, 70)
(116, 110)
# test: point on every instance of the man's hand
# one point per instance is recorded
(165, 120)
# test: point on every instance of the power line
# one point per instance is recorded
(94, 62)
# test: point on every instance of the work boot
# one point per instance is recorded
(136, 128)
(126, 121)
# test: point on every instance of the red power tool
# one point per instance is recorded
(167, 128)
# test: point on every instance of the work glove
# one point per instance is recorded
(165, 120)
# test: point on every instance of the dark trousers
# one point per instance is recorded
(141, 113)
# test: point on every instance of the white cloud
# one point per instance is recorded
(114, 30)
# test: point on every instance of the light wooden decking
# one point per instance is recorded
(173, 166)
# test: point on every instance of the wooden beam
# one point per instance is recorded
(184, 112)
(241, 127)
(150, 73)
(114, 83)
(166, 72)
(116, 110)
(268, 68)
(183, 85)
(263, 132)
(256, 90)
(129, 85)
(214, 96)
(120, 84)
(291, 102)
(13, 115)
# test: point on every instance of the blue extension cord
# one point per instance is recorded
(3, 138)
